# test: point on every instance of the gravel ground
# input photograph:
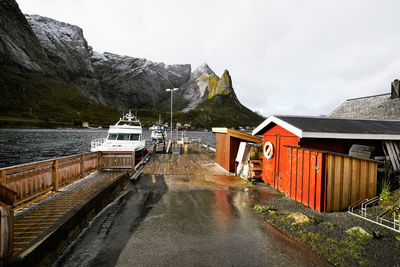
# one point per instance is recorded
(326, 234)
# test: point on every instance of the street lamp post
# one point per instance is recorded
(171, 90)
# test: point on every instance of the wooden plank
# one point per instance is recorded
(319, 184)
(306, 177)
(290, 176)
(346, 183)
(372, 179)
(313, 175)
(337, 182)
(396, 152)
(355, 178)
(330, 182)
(392, 156)
(293, 190)
(363, 181)
(299, 184)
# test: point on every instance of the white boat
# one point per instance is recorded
(158, 131)
(125, 135)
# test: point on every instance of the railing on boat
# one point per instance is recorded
(34, 179)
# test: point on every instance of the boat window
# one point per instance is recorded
(124, 137)
(135, 137)
(112, 137)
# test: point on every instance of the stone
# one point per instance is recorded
(299, 218)
(358, 229)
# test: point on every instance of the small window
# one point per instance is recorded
(123, 137)
(135, 137)
(112, 137)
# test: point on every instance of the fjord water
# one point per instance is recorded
(18, 146)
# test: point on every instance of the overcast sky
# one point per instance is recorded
(285, 57)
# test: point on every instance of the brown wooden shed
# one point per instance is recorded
(227, 146)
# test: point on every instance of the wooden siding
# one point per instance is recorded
(275, 169)
(329, 182)
(222, 147)
(348, 180)
(306, 177)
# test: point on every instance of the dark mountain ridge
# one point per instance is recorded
(49, 72)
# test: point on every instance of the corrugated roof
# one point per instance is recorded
(322, 127)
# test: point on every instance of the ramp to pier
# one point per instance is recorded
(42, 229)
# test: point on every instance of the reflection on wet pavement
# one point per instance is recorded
(185, 220)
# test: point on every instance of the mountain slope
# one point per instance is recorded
(20, 49)
(49, 72)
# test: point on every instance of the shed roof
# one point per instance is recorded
(322, 127)
(238, 134)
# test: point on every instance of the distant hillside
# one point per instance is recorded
(50, 73)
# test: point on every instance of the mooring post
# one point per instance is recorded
(82, 165)
(100, 160)
(3, 177)
(55, 175)
(6, 233)
(133, 161)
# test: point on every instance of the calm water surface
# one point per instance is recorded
(18, 146)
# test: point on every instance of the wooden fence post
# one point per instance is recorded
(82, 165)
(55, 175)
(6, 232)
(100, 160)
(133, 160)
(3, 177)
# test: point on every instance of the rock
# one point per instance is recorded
(130, 82)
(195, 90)
(358, 230)
(65, 45)
(20, 49)
(299, 218)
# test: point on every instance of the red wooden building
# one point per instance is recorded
(307, 158)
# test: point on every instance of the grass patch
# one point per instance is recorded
(338, 249)
(259, 209)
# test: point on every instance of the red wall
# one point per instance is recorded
(275, 170)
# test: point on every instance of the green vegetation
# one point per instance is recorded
(261, 209)
(223, 111)
(346, 251)
(38, 101)
(33, 100)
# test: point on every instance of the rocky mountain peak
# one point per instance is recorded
(65, 45)
(201, 70)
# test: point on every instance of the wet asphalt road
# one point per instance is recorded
(182, 221)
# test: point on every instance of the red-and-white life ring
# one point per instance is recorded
(268, 150)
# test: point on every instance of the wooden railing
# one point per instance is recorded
(31, 180)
